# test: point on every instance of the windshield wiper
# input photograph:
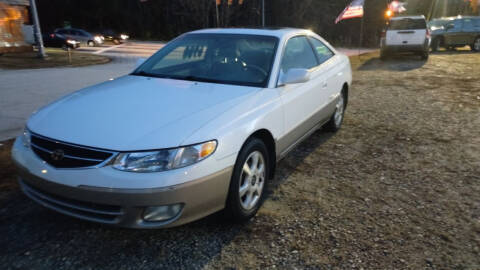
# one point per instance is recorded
(195, 79)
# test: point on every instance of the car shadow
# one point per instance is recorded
(400, 62)
(31, 231)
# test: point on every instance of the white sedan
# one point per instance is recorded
(196, 128)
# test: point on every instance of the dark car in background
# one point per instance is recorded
(453, 32)
(59, 41)
(114, 37)
(84, 37)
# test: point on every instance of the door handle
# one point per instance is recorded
(324, 85)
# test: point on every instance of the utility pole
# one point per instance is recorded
(36, 30)
(263, 13)
(218, 16)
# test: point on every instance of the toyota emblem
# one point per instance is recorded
(57, 155)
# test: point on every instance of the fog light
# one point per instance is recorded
(162, 213)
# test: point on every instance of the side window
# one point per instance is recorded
(456, 26)
(298, 54)
(322, 51)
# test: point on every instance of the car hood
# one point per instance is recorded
(136, 113)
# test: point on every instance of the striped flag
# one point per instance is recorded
(354, 10)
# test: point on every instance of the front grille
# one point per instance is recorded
(66, 155)
(86, 210)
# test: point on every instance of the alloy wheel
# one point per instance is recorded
(339, 111)
(252, 180)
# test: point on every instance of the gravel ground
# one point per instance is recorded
(397, 188)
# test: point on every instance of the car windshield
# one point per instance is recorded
(218, 58)
(407, 24)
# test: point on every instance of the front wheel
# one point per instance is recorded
(337, 118)
(91, 43)
(476, 45)
(248, 183)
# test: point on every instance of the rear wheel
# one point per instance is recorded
(337, 118)
(248, 183)
(424, 55)
(476, 45)
(90, 43)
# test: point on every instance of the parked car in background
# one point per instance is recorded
(112, 36)
(453, 32)
(59, 41)
(196, 128)
(406, 34)
(80, 35)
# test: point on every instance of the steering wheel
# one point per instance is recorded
(252, 67)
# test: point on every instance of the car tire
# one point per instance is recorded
(424, 55)
(248, 182)
(476, 45)
(436, 43)
(116, 41)
(91, 43)
(335, 122)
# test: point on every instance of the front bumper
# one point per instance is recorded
(125, 206)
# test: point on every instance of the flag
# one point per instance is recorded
(397, 7)
(354, 10)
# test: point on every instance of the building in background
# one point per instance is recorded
(16, 31)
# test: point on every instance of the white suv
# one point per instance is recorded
(406, 34)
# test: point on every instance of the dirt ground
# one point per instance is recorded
(398, 187)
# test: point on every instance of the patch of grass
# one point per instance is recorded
(56, 58)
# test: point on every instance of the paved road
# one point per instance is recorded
(23, 92)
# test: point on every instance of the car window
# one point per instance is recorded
(407, 24)
(298, 54)
(476, 23)
(322, 51)
(236, 59)
(190, 52)
(455, 25)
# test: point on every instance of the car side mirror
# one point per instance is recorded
(140, 61)
(295, 75)
(449, 26)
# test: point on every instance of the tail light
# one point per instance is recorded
(383, 34)
(52, 35)
(429, 34)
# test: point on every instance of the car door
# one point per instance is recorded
(333, 70)
(453, 33)
(302, 102)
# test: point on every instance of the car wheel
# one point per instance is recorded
(91, 43)
(476, 45)
(424, 55)
(436, 44)
(336, 120)
(64, 47)
(248, 183)
(116, 41)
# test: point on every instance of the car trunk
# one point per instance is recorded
(406, 32)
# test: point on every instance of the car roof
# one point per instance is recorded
(276, 32)
(418, 17)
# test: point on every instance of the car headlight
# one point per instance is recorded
(164, 160)
(71, 42)
(98, 39)
(123, 36)
(26, 138)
